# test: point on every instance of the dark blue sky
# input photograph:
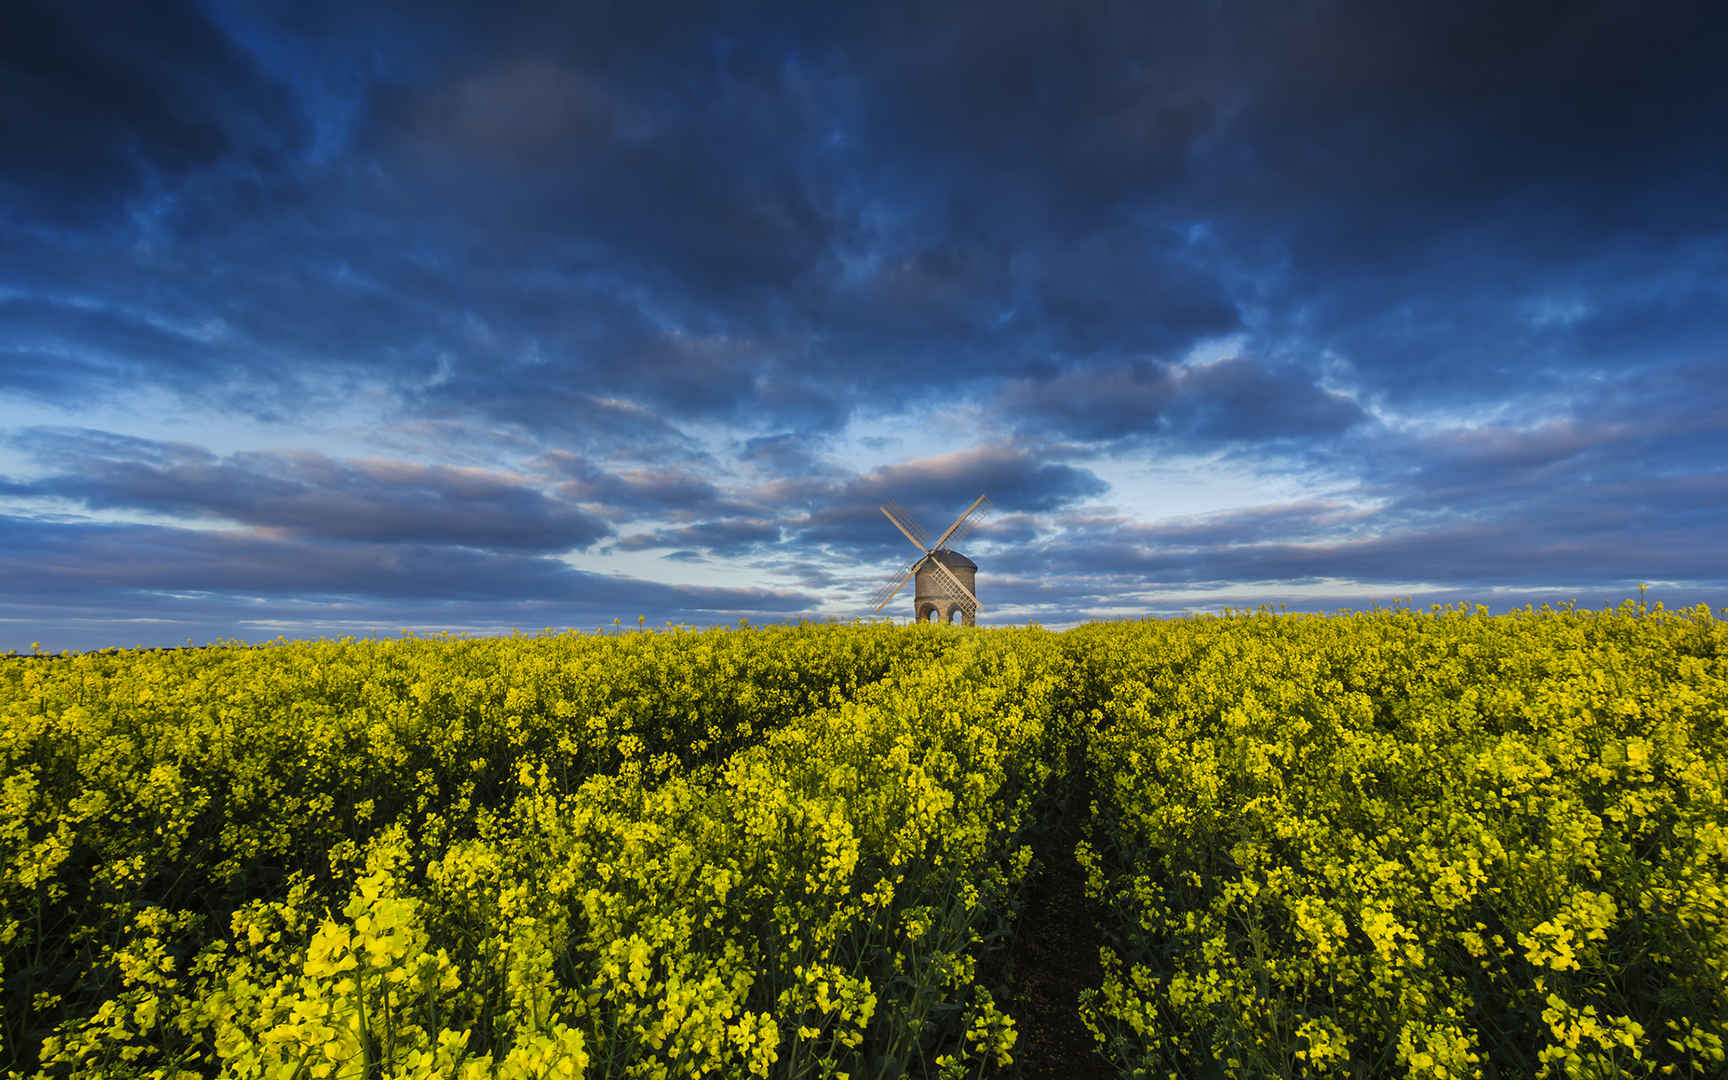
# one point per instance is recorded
(344, 318)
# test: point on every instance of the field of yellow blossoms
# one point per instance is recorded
(1392, 844)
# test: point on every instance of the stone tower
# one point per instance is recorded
(934, 597)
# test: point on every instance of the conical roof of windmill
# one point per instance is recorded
(953, 560)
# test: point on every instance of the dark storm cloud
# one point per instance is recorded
(1076, 97)
(1502, 107)
(1129, 291)
(683, 185)
(1399, 183)
(307, 494)
(909, 306)
(112, 101)
(1231, 399)
(785, 218)
(70, 559)
(725, 195)
(1477, 331)
(1460, 168)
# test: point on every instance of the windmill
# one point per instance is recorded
(946, 578)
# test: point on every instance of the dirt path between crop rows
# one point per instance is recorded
(1054, 956)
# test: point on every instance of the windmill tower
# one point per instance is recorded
(946, 580)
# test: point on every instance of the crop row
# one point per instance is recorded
(1408, 844)
(190, 783)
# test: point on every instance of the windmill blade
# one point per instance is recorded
(904, 530)
(964, 594)
(893, 586)
(908, 524)
(969, 524)
(965, 600)
(950, 530)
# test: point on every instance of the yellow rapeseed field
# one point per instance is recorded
(1400, 844)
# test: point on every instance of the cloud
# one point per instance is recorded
(50, 559)
(1310, 519)
(522, 112)
(721, 537)
(1013, 476)
(843, 520)
(1233, 399)
(935, 490)
(91, 580)
(718, 304)
(787, 454)
(124, 99)
(1077, 99)
(115, 345)
(791, 220)
(1129, 292)
(307, 494)
(1462, 466)
(1623, 533)
(549, 407)
(629, 493)
(837, 513)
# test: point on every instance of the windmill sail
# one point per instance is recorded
(917, 532)
(945, 589)
(937, 580)
(969, 523)
(953, 588)
(893, 585)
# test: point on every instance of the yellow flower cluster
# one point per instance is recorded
(198, 780)
(1424, 844)
(461, 859)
